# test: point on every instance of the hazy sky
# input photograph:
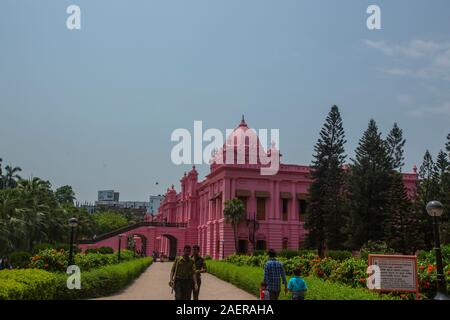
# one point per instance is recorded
(95, 108)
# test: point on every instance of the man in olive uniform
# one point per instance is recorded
(183, 276)
(200, 267)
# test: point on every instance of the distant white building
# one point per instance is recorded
(108, 195)
(110, 198)
(155, 202)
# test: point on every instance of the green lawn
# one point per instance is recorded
(249, 278)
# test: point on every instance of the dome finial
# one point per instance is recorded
(243, 124)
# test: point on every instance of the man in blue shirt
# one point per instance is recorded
(297, 286)
(273, 273)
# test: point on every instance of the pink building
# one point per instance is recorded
(275, 206)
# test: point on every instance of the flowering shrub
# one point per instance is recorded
(303, 263)
(50, 260)
(339, 255)
(57, 261)
(351, 272)
(324, 268)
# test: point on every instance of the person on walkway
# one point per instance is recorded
(200, 267)
(273, 273)
(263, 292)
(183, 275)
(297, 286)
(155, 255)
(4, 264)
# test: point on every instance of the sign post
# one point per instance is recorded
(397, 273)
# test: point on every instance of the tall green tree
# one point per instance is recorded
(108, 221)
(1, 174)
(447, 144)
(234, 213)
(443, 168)
(325, 217)
(395, 144)
(65, 195)
(427, 190)
(369, 185)
(87, 227)
(10, 223)
(39, 210)
(11, 176)
(402, 233)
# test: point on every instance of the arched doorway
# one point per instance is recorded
(137, 242)
(173, 243)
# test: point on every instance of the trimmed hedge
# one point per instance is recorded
(103, 281)
(35, 284)
(20, 259)
(102, 250)
(27, 284)
(249, 279)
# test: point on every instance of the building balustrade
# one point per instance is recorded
(132, 227)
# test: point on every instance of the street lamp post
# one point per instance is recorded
(73, 223)
(435, 209)
(135, 240)
(223, 249)
(120, 243)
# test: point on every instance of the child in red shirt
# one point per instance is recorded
(263, 292)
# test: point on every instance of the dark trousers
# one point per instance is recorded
(274, 295)
(195, 293)
(183, 289)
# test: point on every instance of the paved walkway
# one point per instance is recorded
(153, 285)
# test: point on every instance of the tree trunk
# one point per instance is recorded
(236, 243)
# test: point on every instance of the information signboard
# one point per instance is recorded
(397, 272)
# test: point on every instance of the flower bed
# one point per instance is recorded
(249, 278)
(351, 271)
(57, 260)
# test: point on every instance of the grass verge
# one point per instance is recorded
(249, 278)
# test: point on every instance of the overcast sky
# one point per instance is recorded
(95, 108)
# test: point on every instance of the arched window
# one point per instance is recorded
(285, 243)
(261, 245)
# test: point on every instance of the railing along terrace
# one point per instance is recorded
(131, 227)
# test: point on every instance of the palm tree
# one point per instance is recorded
(36, 211)
(11, 177)
(234, 212)
(1, 174)
(10, 223)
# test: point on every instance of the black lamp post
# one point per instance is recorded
(73, 223)
(120, 243)
(223, 249)
(435, 209)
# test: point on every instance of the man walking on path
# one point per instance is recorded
(200, 267)
(183, 276)
(273, 273)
